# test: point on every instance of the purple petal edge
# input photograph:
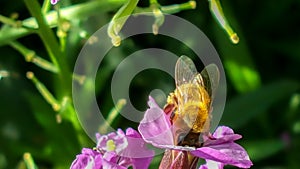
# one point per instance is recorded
(228, 154)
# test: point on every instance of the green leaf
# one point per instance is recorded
(243, 108)
(261, 149)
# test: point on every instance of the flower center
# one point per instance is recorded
(110, 145)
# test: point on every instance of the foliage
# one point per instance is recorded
(37, 58)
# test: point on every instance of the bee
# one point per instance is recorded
(190, 103)
(189, 108)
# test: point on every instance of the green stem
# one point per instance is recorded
(30, 164)
(10, 21)
(79, 11)
(65, 108)
(44, 31)
(112, 115)
(171, 9)
(153, 2)
(119, 20)
(57, 57)
(30, 56)
(81, 135)
(46, 6)
(79, 78)
(52, 47)
(61, 32)
(44, 91)
(217, 11)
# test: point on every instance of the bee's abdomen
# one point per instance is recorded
(195, 115)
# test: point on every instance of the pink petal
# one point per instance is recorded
(118, 137)
(155, 126)
(141, 163)
(53, 2)
(228, 154)
(152, 104)
(136, 152)
(222, 131)
(222, 135)
(111, 165)
(137, 147)
(132, 133)
(87, 158)
(111, 157)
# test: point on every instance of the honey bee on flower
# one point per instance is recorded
(183, 126)
(190, 103)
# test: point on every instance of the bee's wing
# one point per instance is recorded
(211, 77)
(185, 71)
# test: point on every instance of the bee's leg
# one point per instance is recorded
(181, 140)
(172, 99)
(169, 108)
(199, 144)
(190, 139)
(201, 138)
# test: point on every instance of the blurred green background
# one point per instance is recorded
(263, 76)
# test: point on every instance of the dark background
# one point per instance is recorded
(263, 77)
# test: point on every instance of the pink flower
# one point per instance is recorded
(156, 129)
(115, 150)
(88, 157)
(53, 2)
